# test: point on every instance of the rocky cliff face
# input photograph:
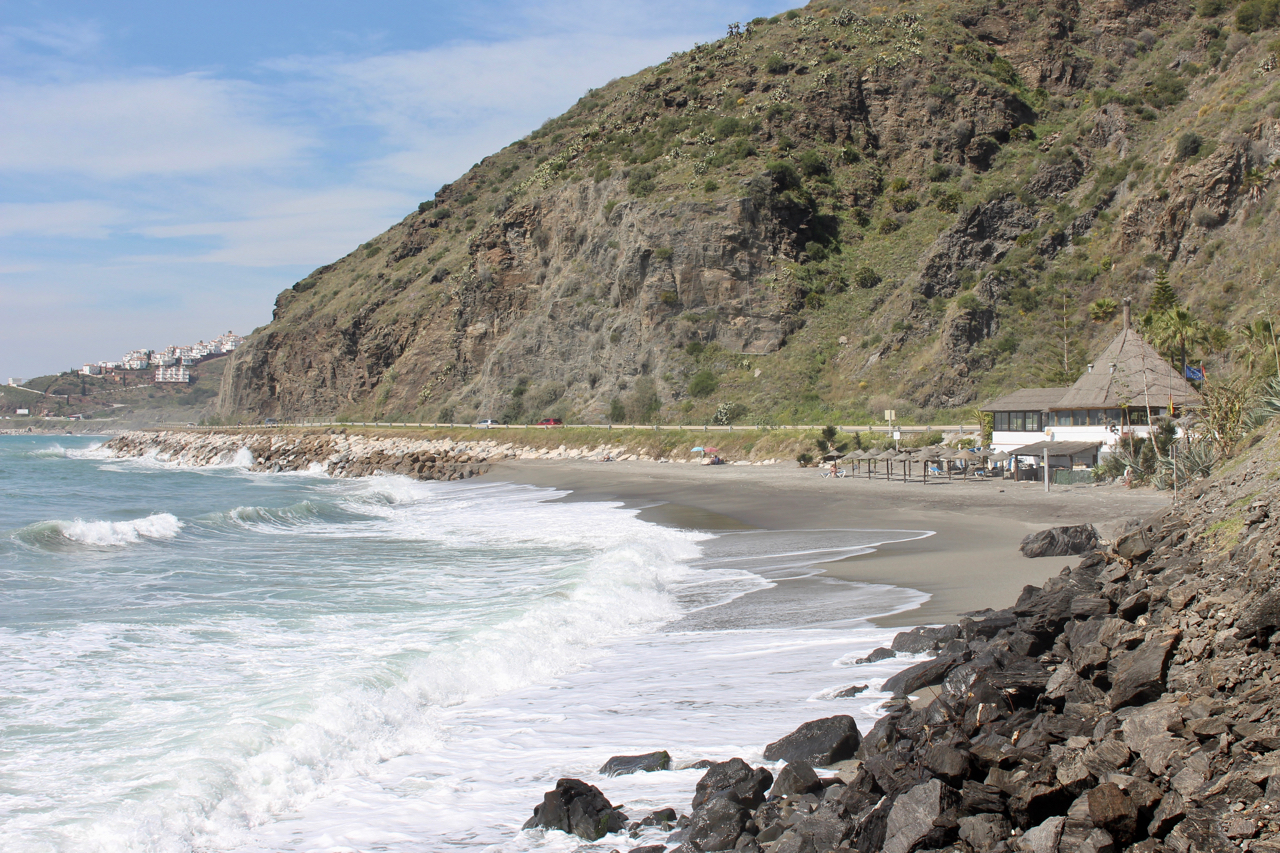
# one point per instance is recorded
(819, 214)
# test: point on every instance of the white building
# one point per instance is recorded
(173, 374)
(14, 381)
(91, 370)
(1118, 395)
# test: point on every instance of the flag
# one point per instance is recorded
(1196, 374)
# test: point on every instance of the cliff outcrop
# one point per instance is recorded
(822, 214)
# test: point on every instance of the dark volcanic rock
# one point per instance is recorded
(1060, 541)
(716, 825)
(819, 743)
(914, 815)
(795, 778)
(620, 765)
(734, 780)
(1139, 674)
(921, 675)
(578, 808)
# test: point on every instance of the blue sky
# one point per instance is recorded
(167, 168)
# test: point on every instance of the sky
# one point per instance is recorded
(167, 168)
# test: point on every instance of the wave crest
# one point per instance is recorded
(101, 534)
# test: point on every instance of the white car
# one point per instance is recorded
(486, 423)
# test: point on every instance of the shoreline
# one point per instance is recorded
(971, 562)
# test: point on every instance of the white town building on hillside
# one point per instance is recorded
(1119, 394)
(173, 374)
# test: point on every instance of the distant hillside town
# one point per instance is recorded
(173, 363)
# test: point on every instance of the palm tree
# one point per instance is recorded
(1102, 310)
(1257, 347)
(1172, 331)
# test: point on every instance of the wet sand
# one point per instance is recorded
(971, 562)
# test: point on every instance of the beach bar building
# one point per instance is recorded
(1119, 394)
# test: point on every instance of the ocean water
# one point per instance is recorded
(218, 660)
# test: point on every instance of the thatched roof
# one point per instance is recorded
(1129, 373)
(1027, 400)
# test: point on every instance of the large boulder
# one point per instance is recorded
(796, 778)
(621, 765)
(1138, 676)
(577, 808)
(733, 780)
(1060, 541)
(912, 818)
(716, 825)
(819, 743)
(922, 674)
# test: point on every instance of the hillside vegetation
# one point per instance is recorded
(824, 214)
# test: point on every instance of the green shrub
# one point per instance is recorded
(710, 186)
(372, 251)
(866, 277)
(601, 173)
(1189, 145)
(816, 251)
(423, 207)
(775, 64)
(898, 185)
(662, 254)
(888, 226)
(812, 164)
(641, 183)
(785, 177)
(1008, 343)
(969, 302)
(695, 348)
(670, 298)
(939, 172)
(949, 202)
(727, 127)
(703, 384)
(1254, 15)
(617, 412)
(1211, 8)
(608, 208)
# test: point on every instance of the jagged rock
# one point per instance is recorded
(984, 831)
(796, 777)
(851, 691)
(716, 824)
(1134, 545)
(877, 655)
(911, 820)
(620, 765)
(1111, 808)
(1147, 732)
(734, 780)
(922, 674)
(1260, 619)
(1139, 674)
(577, 808)
(922, 640)
(1042, 838)
(1060, 541)
(820, 742)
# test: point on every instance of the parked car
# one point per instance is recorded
(550, 422)
(486, 423)
(271, 422)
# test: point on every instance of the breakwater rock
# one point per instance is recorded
(338, 454)
(1132, 703)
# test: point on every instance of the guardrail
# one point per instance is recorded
(656, 427)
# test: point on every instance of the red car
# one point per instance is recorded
(550, 422)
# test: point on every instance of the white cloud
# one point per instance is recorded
(81, 219)
(281, 228)
(129, 127)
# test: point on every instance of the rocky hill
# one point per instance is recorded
(837, 210)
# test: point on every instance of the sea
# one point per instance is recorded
(215, 659)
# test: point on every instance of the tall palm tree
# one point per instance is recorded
(1257, 347)
(1172, 331)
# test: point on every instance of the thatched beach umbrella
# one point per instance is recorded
(929, 454)
(1000, 458)
(946, 454)
(887, 455)
(905, 458)
(966, 456)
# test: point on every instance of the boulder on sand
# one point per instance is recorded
(1060, 541)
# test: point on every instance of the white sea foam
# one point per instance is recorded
(335, 665)
(102, 534)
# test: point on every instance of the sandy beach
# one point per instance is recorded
(971, 562)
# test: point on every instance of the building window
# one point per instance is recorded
(1017, 421)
